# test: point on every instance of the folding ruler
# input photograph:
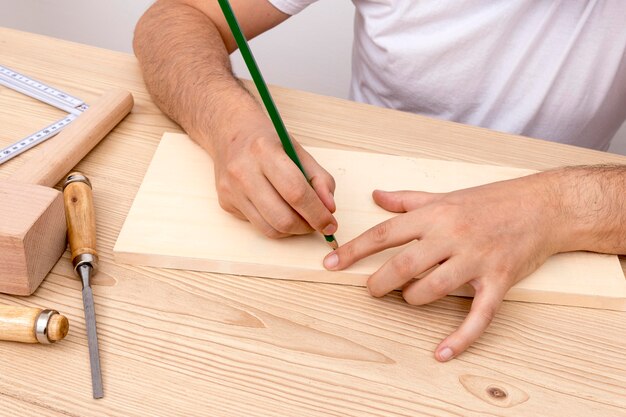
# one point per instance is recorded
(44, 93)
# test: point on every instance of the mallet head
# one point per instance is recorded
(32, 235)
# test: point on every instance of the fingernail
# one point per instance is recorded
(330, 229)
(331, 261)
(445, 354)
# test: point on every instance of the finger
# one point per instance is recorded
(235, 212)
(390, 233)
(484, 307)
(229, 200)
(294, 189)
(438, 283)
(322, 189)
(252, 214)
(275, 211)
(403, 267)
(322, 182)
(403, 201)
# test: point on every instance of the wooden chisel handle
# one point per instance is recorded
(54, 158)
(31, 325)
(81, 219)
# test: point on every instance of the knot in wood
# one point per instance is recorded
(497, 393)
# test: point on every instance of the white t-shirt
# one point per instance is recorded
(553, 70)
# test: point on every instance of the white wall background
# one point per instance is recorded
(310, 51)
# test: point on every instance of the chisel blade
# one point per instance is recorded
(92, 336)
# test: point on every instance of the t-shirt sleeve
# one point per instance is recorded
(291, 7)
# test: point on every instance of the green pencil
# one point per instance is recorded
(264, 92)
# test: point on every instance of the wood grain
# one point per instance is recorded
(57, 156)
(58, 327)
(81, 219)
(176, 222)
(31, 236)
(17, 324)
(493, 392)
(195, 343)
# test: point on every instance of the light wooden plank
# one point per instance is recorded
(176, 222)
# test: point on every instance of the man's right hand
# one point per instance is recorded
(256, 180)
(183, 47)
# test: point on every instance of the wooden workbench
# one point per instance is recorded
(189, 343)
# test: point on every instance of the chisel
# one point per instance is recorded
(81, 231)
(32, 325)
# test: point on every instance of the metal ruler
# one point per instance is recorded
(44, 93)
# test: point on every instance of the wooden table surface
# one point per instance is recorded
(188, 343)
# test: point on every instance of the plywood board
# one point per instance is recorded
(176, 222)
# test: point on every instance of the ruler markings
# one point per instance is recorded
(36, 138)
(15, 78)
(42, 92)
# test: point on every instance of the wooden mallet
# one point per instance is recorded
(32, 218)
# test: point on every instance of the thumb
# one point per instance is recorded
(402, 201)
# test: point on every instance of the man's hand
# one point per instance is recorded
(256, 180)
(183, 47)
(489, 237)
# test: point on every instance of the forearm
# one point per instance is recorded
(592, 203)
(187, 70)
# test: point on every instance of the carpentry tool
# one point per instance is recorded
(32, 222)
(266, 97)
(32, 325)
(44, 93)
(81, 229)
